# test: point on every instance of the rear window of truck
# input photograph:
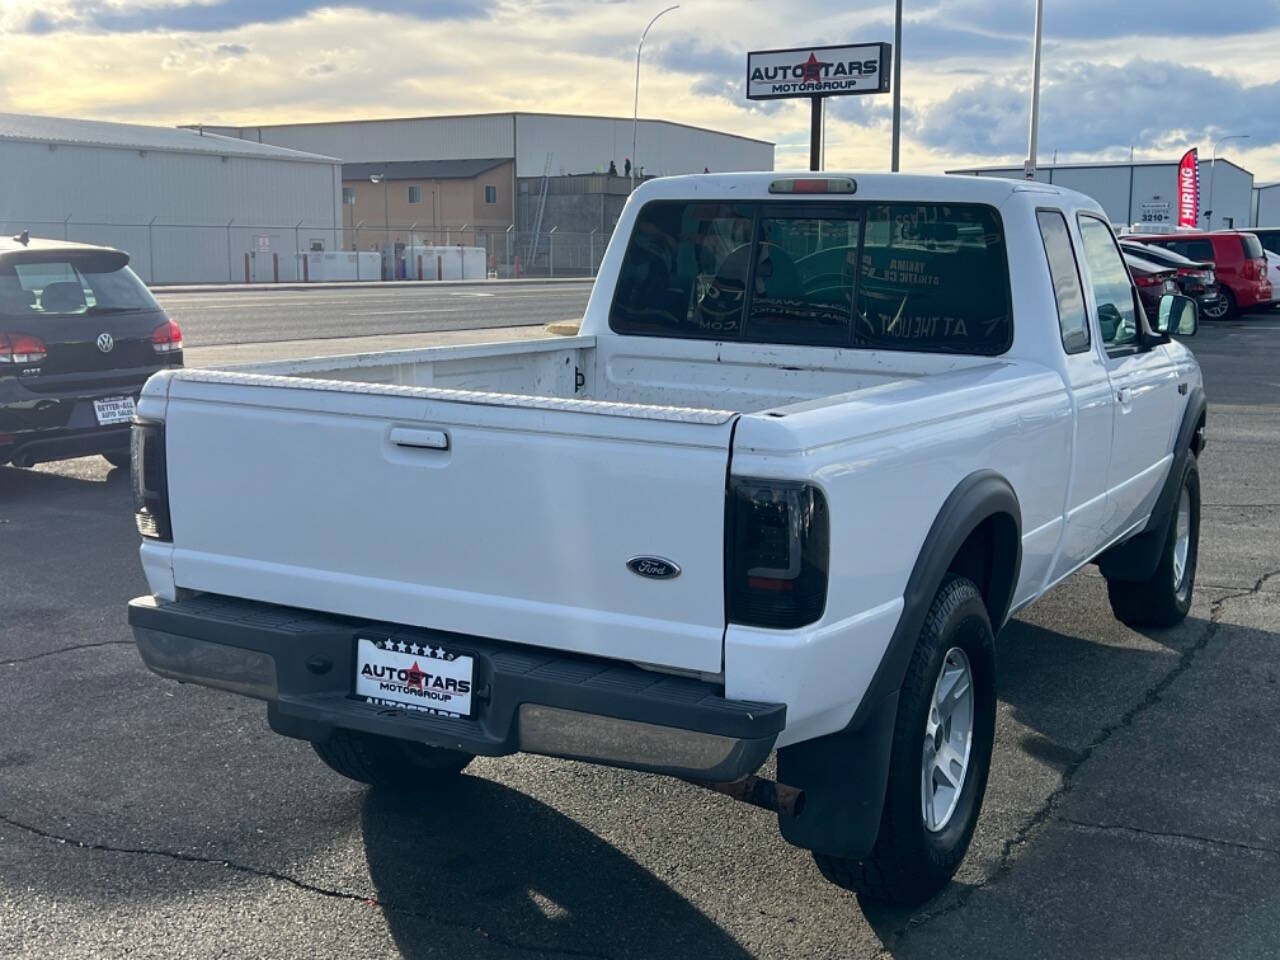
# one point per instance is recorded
(887, 276)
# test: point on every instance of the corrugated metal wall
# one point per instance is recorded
(577, 144)
(373, 141)
(1268, 211)
(111, 196)
(1111, 187)
(587, 144)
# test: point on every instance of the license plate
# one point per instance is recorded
(114, 410)
(416, 676)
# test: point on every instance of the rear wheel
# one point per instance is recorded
(1164, 599)
(942, 742)
(1221, 309)
(390, 763)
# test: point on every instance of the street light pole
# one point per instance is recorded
(1029, 169)
(635, 110)
(897, 84)
(1213, 163)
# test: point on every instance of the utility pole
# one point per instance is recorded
(1030, 167)
(897, 84)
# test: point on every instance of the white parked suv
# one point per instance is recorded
(819, 438)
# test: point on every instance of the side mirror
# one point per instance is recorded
(1179, 315)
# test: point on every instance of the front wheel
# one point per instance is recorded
(389, 763)
(941, 753)
(1164, 599)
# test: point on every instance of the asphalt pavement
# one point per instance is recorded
(243, 316)
(1133, 807)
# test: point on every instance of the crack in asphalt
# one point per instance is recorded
(1193, 838)
(61, 650)
(294, 882)
(1046, 811)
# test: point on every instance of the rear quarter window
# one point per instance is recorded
(1252, 247)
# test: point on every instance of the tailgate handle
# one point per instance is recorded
(421, 439)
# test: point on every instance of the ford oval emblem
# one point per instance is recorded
(655, 568)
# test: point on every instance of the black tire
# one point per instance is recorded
(389, 763)
(1163, 600)
(910, 863)
(1228, 308)
(117, 458)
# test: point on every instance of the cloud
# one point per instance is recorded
(1087, 19)
(1096, 107)
(203, 16)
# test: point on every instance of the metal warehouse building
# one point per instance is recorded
(1266, 205)
(1143, 193)
(187, 206)
(506, 181)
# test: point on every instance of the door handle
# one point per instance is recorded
(1124, 395)
(420, 439)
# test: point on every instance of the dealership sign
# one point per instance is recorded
(1189, 189)
(818, 71)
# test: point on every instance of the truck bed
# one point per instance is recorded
(536, 373)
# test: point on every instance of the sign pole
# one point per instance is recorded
(815, 133)
(897, 85)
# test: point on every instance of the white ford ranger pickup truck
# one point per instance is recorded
(818, 438)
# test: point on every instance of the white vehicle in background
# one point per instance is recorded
(1273, 274)
(818, 439)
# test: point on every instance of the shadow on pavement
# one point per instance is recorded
(17, 483)
(1065, 689)
(480, 860)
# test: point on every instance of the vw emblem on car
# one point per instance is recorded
(106, 342)
(655, 568)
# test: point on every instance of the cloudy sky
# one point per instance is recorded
(1155, 75)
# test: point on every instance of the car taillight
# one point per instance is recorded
(777, 553)
(22, 348)
(1146, 280)
(150, 477)
(167, 338)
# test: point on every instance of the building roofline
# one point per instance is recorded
(472, 116)
(227, 146)
(994, 167)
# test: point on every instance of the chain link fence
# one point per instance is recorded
(232, 252)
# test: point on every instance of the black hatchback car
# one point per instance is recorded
(79, 335)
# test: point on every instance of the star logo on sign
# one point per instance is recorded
(811, 69)
(415, 676)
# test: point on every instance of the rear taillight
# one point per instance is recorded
(167, 338)
(1146, 280)
(22, 348)
(150, 476)
(777, 553)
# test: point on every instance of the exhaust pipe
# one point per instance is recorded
(777, 798)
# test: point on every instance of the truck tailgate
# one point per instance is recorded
(492, 515)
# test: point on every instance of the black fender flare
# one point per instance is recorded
(844, 774)
(1137, 557)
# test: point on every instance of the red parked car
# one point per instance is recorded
(1239, 264)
